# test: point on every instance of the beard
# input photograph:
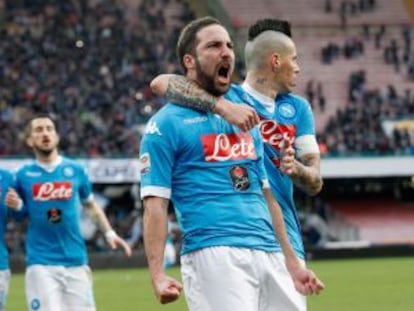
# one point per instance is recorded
(43, 152)
(207, 81)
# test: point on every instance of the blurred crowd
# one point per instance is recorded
(376, 120)
(89, 63)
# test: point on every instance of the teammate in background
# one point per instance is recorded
(52, 188)
(215, 176)
(287, 124)
(6, 182)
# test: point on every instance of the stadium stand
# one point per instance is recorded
(378, 221)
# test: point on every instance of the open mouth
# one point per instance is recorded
(224, 73)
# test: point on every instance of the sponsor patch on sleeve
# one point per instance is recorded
(145, 163)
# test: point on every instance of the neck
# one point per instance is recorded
(262, 84)
(47, 158)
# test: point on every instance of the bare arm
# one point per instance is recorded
(155, 235)
(187, 93)
(305, 280)
(305, 172)
(100, 218)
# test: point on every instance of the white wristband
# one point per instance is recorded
(110, 234)
(20, 206)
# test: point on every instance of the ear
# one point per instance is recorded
(275, 61)
(189, 61)
(29, 142)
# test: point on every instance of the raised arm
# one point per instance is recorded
(306, 282)
(181, 91)
(166, 288)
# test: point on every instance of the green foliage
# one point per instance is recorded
(357, 285)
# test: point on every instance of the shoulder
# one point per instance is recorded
(235, 92)
(170, 117)
(290, 105)
(293, 99)
(5, 175)
(70, 166)
(28, 167)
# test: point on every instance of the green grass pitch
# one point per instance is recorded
(385, 284)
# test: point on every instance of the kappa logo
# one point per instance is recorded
(152, 128)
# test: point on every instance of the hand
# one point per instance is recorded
(240, 115)
(167, 289)
(305, 280)
(287, 157)
(115, 241)
(13, 200)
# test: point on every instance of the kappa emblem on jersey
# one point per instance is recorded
(52, 191)
(145, 163)
(68, 171)
(152, 128)
(222, 147)
(240, 178)
(54, 215)
(286, 110)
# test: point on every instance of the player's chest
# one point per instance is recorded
(50, 187)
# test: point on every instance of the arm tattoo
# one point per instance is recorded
(307, 175)
(186, 93)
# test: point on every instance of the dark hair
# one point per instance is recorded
(187, 41)
(28, 127)
(274, 24)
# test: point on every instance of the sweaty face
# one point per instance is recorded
(214, 62)
(288, 70)
(43, 137)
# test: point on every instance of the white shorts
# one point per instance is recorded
(58, 288)
(4, 287)
(229, 278)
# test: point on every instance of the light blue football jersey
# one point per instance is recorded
(6, 181)
(292, 118)
(214, 175)
(52, 203)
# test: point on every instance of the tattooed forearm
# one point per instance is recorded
(186, 93)
(307, 175)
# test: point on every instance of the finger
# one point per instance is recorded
(256, 118)
(127, 248)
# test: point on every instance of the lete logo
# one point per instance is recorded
(224, 147)
(52, 191)
(273, 133)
